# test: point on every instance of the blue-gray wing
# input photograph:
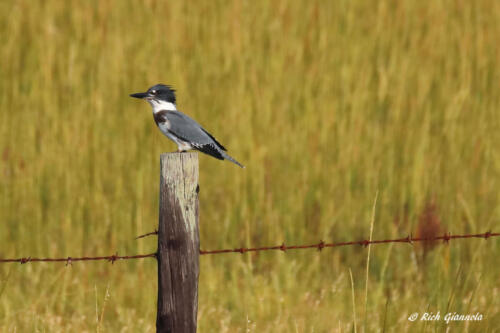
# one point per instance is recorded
(187, 129)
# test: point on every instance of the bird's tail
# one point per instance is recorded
(229, 158)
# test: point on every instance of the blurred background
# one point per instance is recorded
(326, 103)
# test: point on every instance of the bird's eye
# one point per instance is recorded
(153, 92)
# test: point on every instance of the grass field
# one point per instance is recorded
(327, 103)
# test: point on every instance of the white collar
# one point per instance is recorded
(158, 105)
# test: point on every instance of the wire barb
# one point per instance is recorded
(113, 258)
(409, 239)
(283, 247)
(446, 238)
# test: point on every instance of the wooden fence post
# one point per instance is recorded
(178, 244)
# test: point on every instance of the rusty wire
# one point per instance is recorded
(70, 260)
(319, 246)
(148, 234)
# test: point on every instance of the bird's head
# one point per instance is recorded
(159, 94)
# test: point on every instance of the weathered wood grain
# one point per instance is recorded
(178, 244)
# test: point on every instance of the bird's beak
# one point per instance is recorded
(139, 95)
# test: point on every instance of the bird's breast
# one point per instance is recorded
(161, 119)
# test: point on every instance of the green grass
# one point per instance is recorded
(325, 102)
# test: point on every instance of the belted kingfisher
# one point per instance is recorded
(180, 128)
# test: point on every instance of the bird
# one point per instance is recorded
(179, 127)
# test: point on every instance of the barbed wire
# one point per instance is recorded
(321, 245)
(148, 234)
(283, 247)
(70, 260)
